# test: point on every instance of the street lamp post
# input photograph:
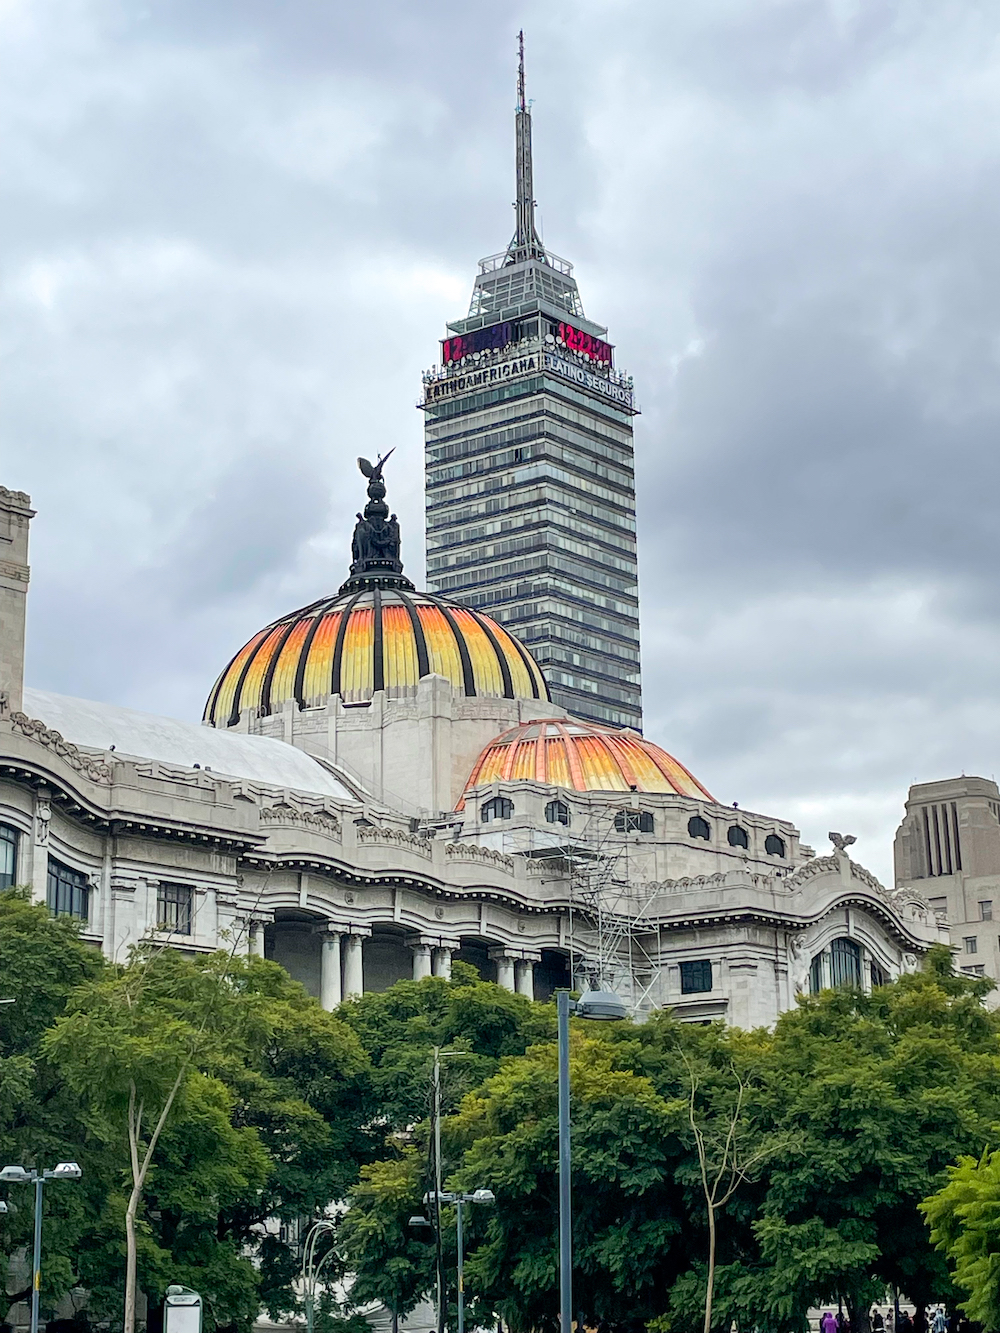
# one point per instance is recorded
(20, 1175)
(439, 1197)
(311, 1269)
(604, 1006)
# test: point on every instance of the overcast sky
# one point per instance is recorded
(231, 233)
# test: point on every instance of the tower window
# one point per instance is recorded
(557, 812)
(773, 845)
(986, 910)
(696, 976)
(67, 891)
(173, 908)
(498, 807)
(971, 944)
(737, 837)
(633, 821)
(698, 828)
(8, 856)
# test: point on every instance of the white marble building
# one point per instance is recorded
(383, 786)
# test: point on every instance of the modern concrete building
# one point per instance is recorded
(948, 846)
(383, 785)
(530, 481)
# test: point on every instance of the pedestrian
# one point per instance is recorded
(939, 1324)
(828, 1324)
(877, 1322)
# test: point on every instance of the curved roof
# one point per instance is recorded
(98, 726)
(583, 757)
(373, 639)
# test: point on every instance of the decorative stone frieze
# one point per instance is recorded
(390, 837)
(94, 769)
(470, 851)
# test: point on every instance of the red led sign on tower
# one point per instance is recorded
(578, 341)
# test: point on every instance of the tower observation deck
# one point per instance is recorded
(530, 486)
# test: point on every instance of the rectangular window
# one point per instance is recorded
(173, 908)
(67, 891)
(8, 856)
(696, 976)
(970, 944)
(986, 910)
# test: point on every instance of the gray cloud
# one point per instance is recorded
(232, 234)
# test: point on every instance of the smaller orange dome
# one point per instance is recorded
(583, 757)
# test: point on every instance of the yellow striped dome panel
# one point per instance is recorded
(581, 756)
(355, 644)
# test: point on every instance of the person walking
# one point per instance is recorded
(828, 1324)
(939, 1324)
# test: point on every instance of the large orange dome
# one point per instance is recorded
(582, 757)
(373, 639)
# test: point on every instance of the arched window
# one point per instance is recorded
(698, 828)
(633, 821)
(67, 891)
(878, 975)
(773, 845)
(737, 837)
(838, 965)
(8, 856)
(557, 812)
(499, 807)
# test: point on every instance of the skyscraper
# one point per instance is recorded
(530, 482)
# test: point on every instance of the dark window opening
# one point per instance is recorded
(633, 821)
(696, 976)
(557, 812)
(773, 845)
(173, 908)
(737, 837)
(698, 828)
(8, 856)
(499, 807)
(67, 891)
(879, 975)
(839, 965)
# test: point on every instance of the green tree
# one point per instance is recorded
(42, 960)
(228, 1097)
(400, 1027)
(964, 1217)
(877, 1094)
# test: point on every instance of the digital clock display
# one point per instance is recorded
(483, 340)
(578, 341)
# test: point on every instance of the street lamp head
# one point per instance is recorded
(15, 1175)
(66, 1171)
(3, 1207)
(418, 1222)
(603, 1005)
(483, 1196)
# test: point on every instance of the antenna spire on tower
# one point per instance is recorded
(526, 243)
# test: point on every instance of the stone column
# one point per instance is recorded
(442, 962)
(505, 968)
(40, 847)
(524, 973)
(331, 990)
(354, 976)
(421, 961)
(255, 940)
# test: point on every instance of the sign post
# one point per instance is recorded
(181, 1311)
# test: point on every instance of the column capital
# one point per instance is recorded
(329, 930)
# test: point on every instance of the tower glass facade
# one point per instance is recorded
(529, 471)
